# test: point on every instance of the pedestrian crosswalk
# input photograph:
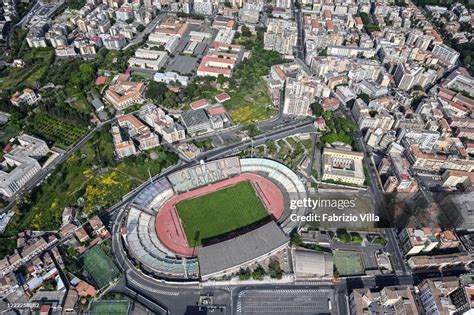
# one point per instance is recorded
(322, 283)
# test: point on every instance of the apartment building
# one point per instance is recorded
(442, 296)
(123, 145)
(299, 94)
(162, 123)
(394, 300)
(446, 54)
(281, 36)
(138, 131)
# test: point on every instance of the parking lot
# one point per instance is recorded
(285, 301)
(183, 64)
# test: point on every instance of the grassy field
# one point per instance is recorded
(109, 307)
(348, 263)
(99, 266)
(220, 212)
(36, 63)
(250, 107)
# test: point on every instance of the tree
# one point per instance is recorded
(364, 97)
(252, 130)
(258, 273)
(87, 72)
(246, 31)
(274, 269)
(467, 60)
(140, 28)
(317, 109)
(244, 274)
(221, 79)
(295, 239)
(327, 115)
(343, 236)
(156, 91)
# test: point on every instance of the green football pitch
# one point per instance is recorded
(109, 308)
(348, 263)
(220, 212)
(99, 266)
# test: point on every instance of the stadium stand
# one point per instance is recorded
(200, 175)
(285, 177)
(141, 239)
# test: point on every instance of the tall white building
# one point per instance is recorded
(281, 36)
(299, 94)
(21, 164)
(407, 76)
(446, 54)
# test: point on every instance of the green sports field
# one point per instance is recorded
(348, 263)
(220, 212)
(99, 266)
(109, 307)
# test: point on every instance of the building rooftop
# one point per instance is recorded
(194, 117)
(241, 249)
(313, 263)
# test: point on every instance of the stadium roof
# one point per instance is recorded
(241, 249)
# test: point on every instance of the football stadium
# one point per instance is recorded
(212, 219)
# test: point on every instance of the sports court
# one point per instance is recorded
(99, 266)
(109, 307)
(348, 263)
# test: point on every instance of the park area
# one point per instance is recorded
(220, 212)
(348, 263)
(99, 266)
(114, 307)
(250, 106)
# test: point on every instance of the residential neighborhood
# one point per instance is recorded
(236, 157)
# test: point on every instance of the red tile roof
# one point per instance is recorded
(222, 97)
(215, 111)
(199, 104)
(101, 80)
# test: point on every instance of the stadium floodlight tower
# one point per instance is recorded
(149, 175)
